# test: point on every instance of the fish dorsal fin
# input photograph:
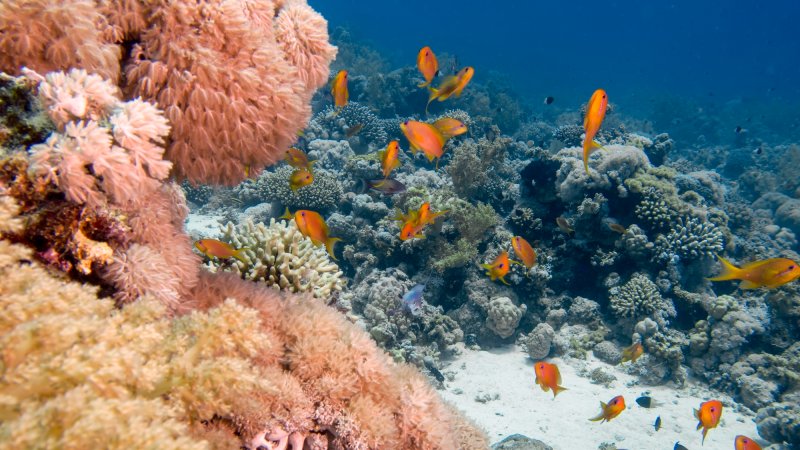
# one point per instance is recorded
(756, 264)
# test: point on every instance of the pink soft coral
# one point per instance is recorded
(234, 77)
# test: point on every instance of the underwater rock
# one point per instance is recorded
(520, 442)
(584, 311)
(780, 422)
(503, 316)
(608, 352)
(538, 342)
(608, 171)
(788, 215)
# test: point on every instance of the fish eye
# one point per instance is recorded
(791, 267)
(713, 409)
(501, 265)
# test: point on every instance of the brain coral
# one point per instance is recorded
(281, 256)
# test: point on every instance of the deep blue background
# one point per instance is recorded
(727, 50)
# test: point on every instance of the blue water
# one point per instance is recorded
(714, 53)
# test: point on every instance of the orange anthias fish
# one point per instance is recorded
(339, 89)
(548, 377)
(450, 127)
(595, 113)
(410, 230)
(632, 353)
(499, 268)
(769, 273)
(452, 85)
(745, 443)
(390, 158)
(297, 159)
(312, 226)
(610, 410)
(524, 251)
(427, 65)
(708, 416)
(300, 178)
(425, 216)
(218, 249)
(424, 136)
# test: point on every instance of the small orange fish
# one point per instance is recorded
(424, 136)
(610, 410)
(427, 65)
(313, 226)
(548, 377)
(769, 273)
(708, 415)
(390, 158)
(595, 113)
(632, 353)
(452, 85)
(297, 159)
(425, 216)
(745, 443)
(411, 230)
(499, 268)
(613, 226)
(563, 225)
(524, 251)
(218, 249)
(339, 89)
(300, 178)
(450, 127)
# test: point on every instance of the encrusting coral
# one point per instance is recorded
(235, 90)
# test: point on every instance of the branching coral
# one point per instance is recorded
(321, 195)
(690, 239)
(342, 124)
(280, 256)
(639, 297)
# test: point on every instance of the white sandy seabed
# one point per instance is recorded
(516, 404)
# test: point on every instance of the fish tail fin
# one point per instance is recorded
(329, 246)
(729, 271)
(602, 415)
(558, 389)
(286, 215)
(425, 83)
(239, 254)
(433, 94)
(703, 441)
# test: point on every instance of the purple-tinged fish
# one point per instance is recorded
(412, 300)
(386, 187)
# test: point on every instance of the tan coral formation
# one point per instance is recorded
(78, 373)
(234, 77)
(280, 256)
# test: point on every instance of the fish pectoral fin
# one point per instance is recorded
(747, 284)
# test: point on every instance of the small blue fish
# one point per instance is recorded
(412, 300)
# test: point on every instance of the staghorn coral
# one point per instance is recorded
(280, 256)
(690, 239)
(639, 297)
(234, 78)
(321, 195)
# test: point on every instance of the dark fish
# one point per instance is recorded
(549, 100)
(678, 446)
(387, 187)
(646, 402)
(613, 226)
(759, 150)
(657, 425)
(433, 370)
(738, 129)
(563, 225)
(354, 130)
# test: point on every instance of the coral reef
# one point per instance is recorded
(280, 256)
(238, 105)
